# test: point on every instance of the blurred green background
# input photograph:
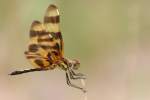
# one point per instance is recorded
(110, 38)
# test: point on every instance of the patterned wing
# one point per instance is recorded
(52, 41)
(36, 55)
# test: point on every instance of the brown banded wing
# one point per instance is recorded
(46, 42)
(52, 40)
(35, 54)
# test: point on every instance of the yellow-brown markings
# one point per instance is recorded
(51, 19)
(45, 47)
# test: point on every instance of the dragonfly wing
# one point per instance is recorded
(35, 54)
(54, 37)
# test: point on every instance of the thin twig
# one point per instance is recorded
(83, 84)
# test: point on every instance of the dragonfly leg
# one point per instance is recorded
(74, 75)
(72, 85)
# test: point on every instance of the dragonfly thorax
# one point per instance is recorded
(73, 64)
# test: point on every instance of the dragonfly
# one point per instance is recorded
(46, 48)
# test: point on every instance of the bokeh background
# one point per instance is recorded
(110, 38)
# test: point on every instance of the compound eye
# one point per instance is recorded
(70, 64)
(76, 66)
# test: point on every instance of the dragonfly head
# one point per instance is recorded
(74, 64)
